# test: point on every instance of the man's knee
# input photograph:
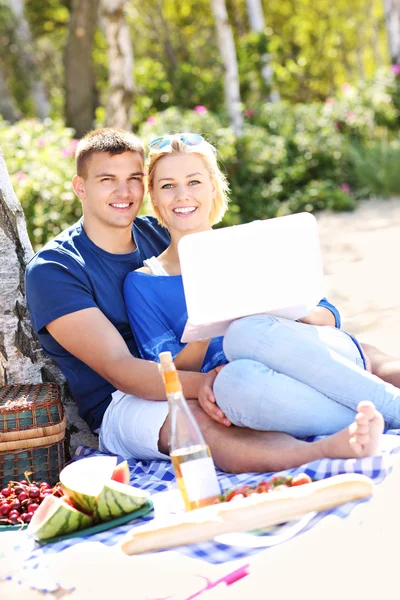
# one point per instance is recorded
(202, 419)
(163, 437)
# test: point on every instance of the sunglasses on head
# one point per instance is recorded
(190, 139)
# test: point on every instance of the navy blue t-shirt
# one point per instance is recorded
(71, 273)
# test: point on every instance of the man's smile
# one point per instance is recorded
(121, 205)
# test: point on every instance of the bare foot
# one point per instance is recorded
(360, 439)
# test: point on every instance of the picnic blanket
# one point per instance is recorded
(30, 561)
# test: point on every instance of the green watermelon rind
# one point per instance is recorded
(84, 502)
(99, 527)
(91, 473)
(64, 519)
(118, 499)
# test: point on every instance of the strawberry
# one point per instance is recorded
(301, 479)
(263, 487)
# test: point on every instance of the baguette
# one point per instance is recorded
(245, 514)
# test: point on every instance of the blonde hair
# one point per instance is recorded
(208, 154)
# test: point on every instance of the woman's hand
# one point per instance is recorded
(319, 316)
(207, 400)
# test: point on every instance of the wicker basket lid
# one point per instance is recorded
(30, 410)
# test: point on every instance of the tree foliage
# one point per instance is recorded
(315, 47)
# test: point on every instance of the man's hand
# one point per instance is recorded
(207, 399)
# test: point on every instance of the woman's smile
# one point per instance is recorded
(184, 211)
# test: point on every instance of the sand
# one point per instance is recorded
(361, 254)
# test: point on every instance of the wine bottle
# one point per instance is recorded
(190, 455)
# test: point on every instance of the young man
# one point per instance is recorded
(74, 293)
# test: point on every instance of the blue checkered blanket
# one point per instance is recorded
(156, 476)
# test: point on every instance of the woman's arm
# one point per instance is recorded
(324, 314)
(153, 313)
(191, 357)
(319, 316)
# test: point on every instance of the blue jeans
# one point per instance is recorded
(300, 379)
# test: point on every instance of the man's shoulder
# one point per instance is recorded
(63, 249)
(149, 225)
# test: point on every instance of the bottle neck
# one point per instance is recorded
(172, 384)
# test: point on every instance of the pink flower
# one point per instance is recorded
(346, 87)
(396, 70)
(200, 110)
(151, 120)
(41, 142)
(345, 188)
(21, 175)
(70, 149)
(249, 112)
(350, 115)
(330, 101)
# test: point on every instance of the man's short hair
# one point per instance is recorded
(110, 140)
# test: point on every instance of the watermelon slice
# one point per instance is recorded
(121, 473)
(117, 499)
(56, 517)
(83, 480)
(90, 486)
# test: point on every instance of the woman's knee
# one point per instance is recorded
(234, 389)
(242, 333)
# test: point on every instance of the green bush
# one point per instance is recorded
(39, 158)
(376, 166)
(290, 158)
(279, 162)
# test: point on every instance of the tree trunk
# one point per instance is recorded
(257, 25)
(120, 64)
(231, 72)
(21, 356)
(392, 19)
(79, 77)
(8, 110)
(27, 53)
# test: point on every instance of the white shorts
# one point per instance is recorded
(131, 427)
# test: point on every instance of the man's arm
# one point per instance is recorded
(89, 335)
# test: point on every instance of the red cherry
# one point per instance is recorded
(32, 507)
(13, 514)
(5, 509)
(6, 492)
(27, 517)
(15, 504)
(43, 495)
(22, 496)
(34, 492)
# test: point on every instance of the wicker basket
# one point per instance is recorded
(32, 432)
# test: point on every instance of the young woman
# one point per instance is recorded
(280, 375)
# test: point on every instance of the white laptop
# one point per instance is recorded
(272, 266)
